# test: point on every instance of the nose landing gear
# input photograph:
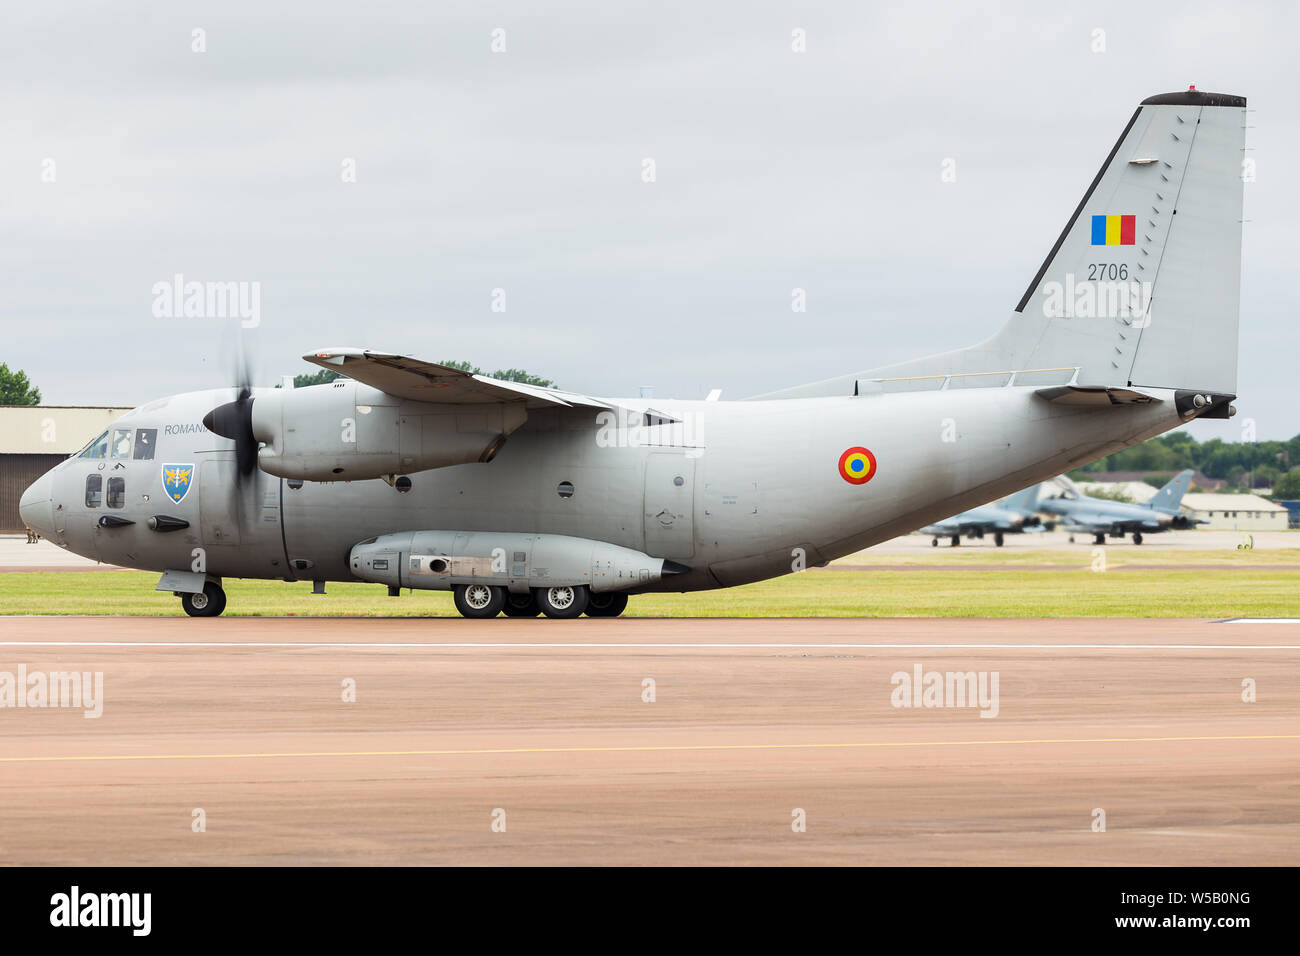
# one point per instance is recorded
(209, 602)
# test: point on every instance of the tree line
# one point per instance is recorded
(1243, 465)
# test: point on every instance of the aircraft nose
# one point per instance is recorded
(35, 507)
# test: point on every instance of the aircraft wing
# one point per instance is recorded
(942, 528)
(978, 519)
(1092, 522)
(411, 378)
(1100, 522)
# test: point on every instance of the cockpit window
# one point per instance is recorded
(144, 442)
(97, 448)
(121, 446)
(94, 489)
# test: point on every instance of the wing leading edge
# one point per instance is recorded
(416, 380)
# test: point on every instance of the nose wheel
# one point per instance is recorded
(209, 602)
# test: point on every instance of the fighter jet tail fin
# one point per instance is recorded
(1026, 500)
(1168, 498)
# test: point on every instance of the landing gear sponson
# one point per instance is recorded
(520, 575)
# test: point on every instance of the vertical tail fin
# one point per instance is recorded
(1168, 498)
(1142, 288)
(1026, 500)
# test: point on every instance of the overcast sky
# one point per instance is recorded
(523, 171)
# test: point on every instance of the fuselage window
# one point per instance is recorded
(121, 443)
(144, 442)
(97, 448)
(116, 496)
(94, 488)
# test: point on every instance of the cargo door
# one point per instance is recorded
(670, 506)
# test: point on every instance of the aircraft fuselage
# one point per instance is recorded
(737, 492)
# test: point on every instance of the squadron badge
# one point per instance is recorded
(176, 481)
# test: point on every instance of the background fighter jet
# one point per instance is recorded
(1011, 515)
(1102, 517)
(525, 499)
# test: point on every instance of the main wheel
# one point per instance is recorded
(209, 602)
(608, 604)
(1099, 539)
(521, 605)
(565, 600)
(955, 542)
(1137, 537)
(479, 600)
(997, 539)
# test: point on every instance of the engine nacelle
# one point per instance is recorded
(346, 431)
(439, 560)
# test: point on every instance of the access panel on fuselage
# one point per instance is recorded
(669, 505)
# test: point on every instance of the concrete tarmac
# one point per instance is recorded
(543, 727)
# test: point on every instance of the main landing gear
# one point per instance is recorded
(563, 601)
(479, 600)
(521, 605)
(209, 602)
(608, 604)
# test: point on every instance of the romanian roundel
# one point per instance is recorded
(857, 466)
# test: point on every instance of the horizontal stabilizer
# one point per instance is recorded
(1093, 395)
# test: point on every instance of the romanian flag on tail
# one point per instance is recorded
(1113, 230)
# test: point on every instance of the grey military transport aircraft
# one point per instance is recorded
(522, 499)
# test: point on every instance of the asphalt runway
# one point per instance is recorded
(453, 720)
